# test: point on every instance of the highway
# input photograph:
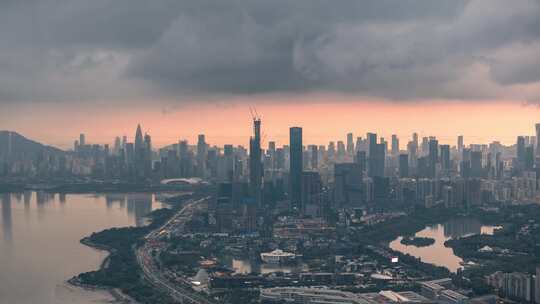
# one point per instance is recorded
(181, 290)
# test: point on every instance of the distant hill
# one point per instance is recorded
(20, 147)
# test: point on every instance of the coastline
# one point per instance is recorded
(118, 295)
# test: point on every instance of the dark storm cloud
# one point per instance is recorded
(409, 49)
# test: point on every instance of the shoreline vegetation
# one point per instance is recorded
(119, 273)
(417, 241)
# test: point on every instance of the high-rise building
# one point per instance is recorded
(138, 139)
(348, 184)
(295, 176)
(272, 154)
(340, 150)
(117, 145)
(460, 144)
(255, 163)
(433, 157)
(201, 156)
(520, 151)
(403, 165)
(465, 165)
(361, 160)
(311, 198)
(331, 151)
(139, 153)
(445, 157)
(476, 164)
(395, 145)
(424, 148)
(228, 158)
(529, 158)
(350, 144)
(82, 139)
(537, 138)
(372, 142)
(376, 161)
(186, 164)
(415, 139)
(499, 166)
(372, 148)
(314, 157)
(412, 149)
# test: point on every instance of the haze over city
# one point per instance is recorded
(269, 151)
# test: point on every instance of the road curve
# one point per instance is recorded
(182, 293)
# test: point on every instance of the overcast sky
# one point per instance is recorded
(64, 62)
(412, 50)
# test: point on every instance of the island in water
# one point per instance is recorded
(417, 241)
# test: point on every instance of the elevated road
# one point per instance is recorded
(181, 290)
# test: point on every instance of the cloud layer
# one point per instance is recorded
(69, 50)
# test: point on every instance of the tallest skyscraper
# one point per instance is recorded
(296, 166)
(255, 162)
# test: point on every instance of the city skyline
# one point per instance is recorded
(270, 151)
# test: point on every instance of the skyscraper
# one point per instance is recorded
(460, 143)
(228, 158)
(372, 142)
(82, 139)
(201, 156)
(529, 158)
(350, 144)
(445, 157)
(360, 159)
(117, 145)
(348, 184)
(537, 138)
(295, 176)
(372, 148)
(314, 161)
(340, 150)
(433, 156)
(272, 154)
(139, 153)
(255, 163)
(520, 151)
(476, 164)
(403, 165)
(379, 160)
(395, 145)
(415, 139)
(138, 139)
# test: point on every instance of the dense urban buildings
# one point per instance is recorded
(360, 172)
(302, 200)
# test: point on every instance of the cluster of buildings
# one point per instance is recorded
(311, 180)
(310, 177)
(437, 291)
(517, 286)
(330, 296)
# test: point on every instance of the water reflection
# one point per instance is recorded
(7, 224)
(437, 253)
(139, 205)
(39, 241)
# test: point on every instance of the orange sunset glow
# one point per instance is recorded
(324, 118)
